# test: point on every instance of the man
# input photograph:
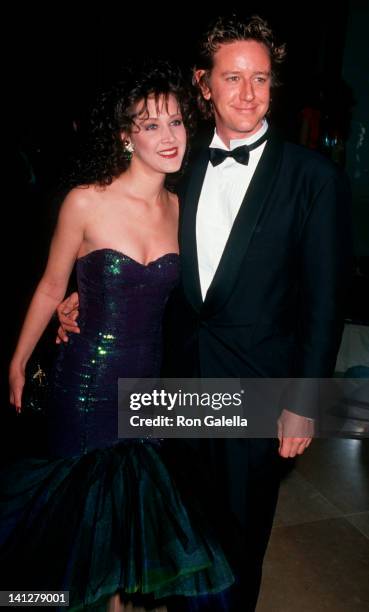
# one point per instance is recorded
(264, 246)
(265, 262)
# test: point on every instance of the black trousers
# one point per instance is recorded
(245, 475)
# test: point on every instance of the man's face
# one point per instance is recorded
(239, 88)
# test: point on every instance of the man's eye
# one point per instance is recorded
(232, 78)
(260, 79)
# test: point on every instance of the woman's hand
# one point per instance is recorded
(16, 384)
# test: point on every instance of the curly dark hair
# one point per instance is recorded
(227, 30)
(102, 157)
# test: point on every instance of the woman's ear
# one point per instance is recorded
(128, 146)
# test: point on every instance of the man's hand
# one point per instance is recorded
(67, 314)
(295, 433)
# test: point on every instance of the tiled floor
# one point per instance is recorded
(318, 557)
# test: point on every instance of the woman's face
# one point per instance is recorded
(159, 136)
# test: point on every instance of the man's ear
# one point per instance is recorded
(201, 77)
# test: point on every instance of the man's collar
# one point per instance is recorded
(218, 142)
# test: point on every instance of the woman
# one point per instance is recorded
(104, 516)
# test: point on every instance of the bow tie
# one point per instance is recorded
(240, 154)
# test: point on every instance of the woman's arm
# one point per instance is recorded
(65, 245)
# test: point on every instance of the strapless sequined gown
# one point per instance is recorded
(104, 514)
(121, 309)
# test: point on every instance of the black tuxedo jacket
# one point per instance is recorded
(275, 307)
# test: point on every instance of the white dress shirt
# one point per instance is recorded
(223, 191)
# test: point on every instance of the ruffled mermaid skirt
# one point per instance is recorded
(111, 520)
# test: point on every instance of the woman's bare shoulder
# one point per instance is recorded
(81, 200)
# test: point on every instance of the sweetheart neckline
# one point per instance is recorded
(143, 265)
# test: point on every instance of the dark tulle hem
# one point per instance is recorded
(107, 521)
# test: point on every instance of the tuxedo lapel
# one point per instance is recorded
(243, 228)
(187, 232)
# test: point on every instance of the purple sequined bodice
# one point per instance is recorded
(122, 304)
